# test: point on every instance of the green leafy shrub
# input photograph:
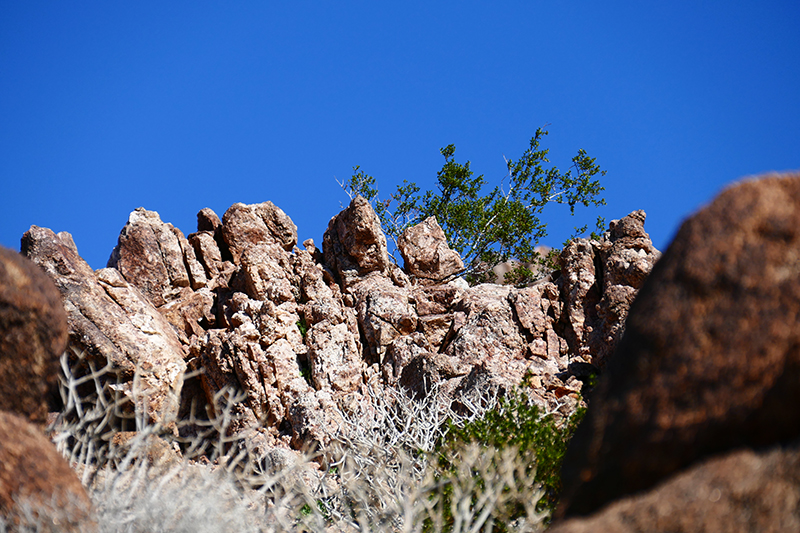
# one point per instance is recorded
(488, 229)
(517, 424)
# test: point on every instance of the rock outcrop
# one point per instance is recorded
(33, 335)
(301, 332)
(111, 321)
(709, 363)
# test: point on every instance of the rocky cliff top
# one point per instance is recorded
(302, 330)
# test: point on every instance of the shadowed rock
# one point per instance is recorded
(38, 489)
(33, 335)
(740, 492)
(710, 359)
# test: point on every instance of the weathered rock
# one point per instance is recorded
(738, 492)
(207, 220)
(268, 273)
(38, 489)
(354, 244)
(334, 354)
(437, 299)
(153, 256)
(245, 225)
(420, 373)
(234, 362)
(111, 321)
(192, 314)
(400, 352)
(384, 312)
(710, 358)
(426, 254)
(33, 335)
(490, 334)
(600, 280)
(207, 251)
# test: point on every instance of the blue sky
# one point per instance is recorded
(176, 106)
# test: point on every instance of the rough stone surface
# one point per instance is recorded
(153, 256)
(33, 335)
(600, 280)
(426, 254)
(245, 225)
(34, 475)
(740, 492)
(710, 359)
(111, 321)
(300, 334)
(354, 244)
(384, 312)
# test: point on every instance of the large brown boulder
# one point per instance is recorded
(110, 321)
(33, 335)
(710, 359)
(739, 492)
(38, 489)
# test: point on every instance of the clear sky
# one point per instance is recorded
(176, 106)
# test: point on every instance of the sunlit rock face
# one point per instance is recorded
(300, 331)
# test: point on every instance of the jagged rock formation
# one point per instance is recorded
(110, 320)
(709, 363)
(300, 331)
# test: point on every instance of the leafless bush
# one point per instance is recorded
(380, 472)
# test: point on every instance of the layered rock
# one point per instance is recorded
(111, 321)
(709, 363)
(33, 335)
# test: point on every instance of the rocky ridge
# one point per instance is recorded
(301, 331)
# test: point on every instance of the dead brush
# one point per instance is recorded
(380, 471)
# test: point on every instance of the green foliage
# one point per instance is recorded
(303, 327)
(517, 424)
(488, 229)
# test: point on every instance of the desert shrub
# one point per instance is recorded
(393, 464)
(487, 229)
(516, 423)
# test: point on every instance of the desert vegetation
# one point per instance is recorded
(489, 228)
(392, 464)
